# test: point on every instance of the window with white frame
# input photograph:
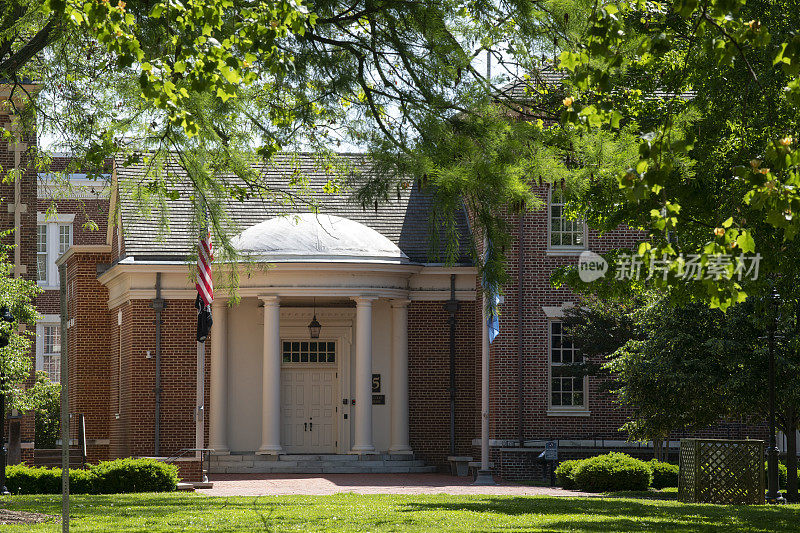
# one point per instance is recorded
(567, 382)
(565, 233)
(53, 238)
(51, 351)
(41, 252)
(314, 352)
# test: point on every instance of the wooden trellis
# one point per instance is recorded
(721, 471)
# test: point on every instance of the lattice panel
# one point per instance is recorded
(721, 471)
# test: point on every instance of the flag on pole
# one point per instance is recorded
(205, 285)
(492, 292)
(205, 255)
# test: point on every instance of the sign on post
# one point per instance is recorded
(551, 450)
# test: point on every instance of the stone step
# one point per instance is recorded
(221, 463)
(277, 468)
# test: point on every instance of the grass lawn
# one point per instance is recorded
(350, 512)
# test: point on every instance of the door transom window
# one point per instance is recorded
(314, 352)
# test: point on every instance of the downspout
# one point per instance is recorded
(451, 307)
(158, 304)
(520, 323)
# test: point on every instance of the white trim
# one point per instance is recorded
(55, 218)
(552, 411)
(560, 249)
(556, 312)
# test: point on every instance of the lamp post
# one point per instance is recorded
(8, 318)
(773, 491)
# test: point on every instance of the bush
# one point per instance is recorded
(612, 472)
(134, 475)
(22, 479)
(110, 477)
(565, 473)
(782, 474)
(664, 474)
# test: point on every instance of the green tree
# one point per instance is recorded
(678, 365)
(16, 294)
(45, 397)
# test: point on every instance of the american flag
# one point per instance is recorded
(205, 255)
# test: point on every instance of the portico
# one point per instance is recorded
(316, 395)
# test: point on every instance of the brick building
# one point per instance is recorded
(273, 393)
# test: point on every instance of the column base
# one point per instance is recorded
(270, 450)
(362, 450)
(220, 450)
(484, 477)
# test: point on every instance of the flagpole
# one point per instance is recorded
(484, 476)
(201, 394)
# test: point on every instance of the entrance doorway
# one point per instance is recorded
(309, 388)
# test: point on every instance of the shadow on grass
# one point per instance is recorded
(619, 514)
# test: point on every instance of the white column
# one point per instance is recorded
(363, 389)
(271, 378)
(218, 423)
(399, 389)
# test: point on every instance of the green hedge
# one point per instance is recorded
(109, 477)
(612, 472)
(565, 473)
(664, 474)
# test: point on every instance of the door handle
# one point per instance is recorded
(311, 426)
(305, 426)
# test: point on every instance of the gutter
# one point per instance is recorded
(159, 305)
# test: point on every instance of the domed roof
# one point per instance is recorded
(316, 237)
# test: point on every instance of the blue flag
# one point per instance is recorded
(492, 292)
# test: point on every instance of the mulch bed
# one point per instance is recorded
(8, 517)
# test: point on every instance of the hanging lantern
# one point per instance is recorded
(314, 328)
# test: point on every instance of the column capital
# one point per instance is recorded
(400, 302)
(364, 299)
(271, 300)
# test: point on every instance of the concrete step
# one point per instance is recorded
(317, 464)
(262, 468)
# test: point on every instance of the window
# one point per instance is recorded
(41, 252)
(51, 354)
(564, 232)
(64, 238)
(309, 352)
(567, 385)
(53, 238)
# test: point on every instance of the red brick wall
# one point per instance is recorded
(133, 434)
(88, 348)
(429, 380)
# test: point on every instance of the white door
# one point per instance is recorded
(308, 406)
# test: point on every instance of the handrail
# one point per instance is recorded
(205, 456)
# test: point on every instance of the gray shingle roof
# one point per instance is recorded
(403, 220)
(548, 78)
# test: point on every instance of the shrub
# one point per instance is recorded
(110, 477)
(612, 472)
(134, 475)
(565, 473)
(22, 479)
(782, 474)
(664, 474)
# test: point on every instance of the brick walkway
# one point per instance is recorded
(323, 484)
